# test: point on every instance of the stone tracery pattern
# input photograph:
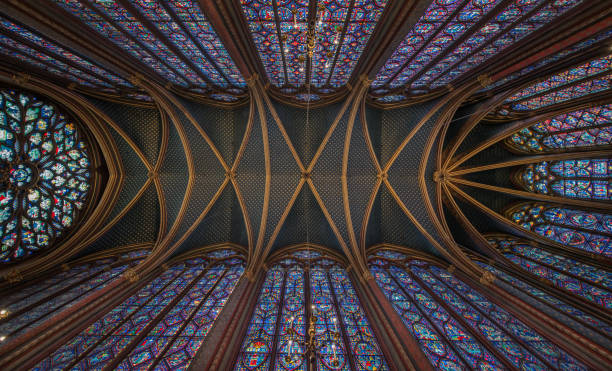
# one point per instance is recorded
(45, 170)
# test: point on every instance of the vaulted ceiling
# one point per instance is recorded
(210, 136)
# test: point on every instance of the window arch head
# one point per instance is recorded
(578, 130)
(455, 325)
(589, 178)
(46, 170)
(584, 230)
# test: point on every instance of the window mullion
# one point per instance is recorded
(345, 339)
(278, 325)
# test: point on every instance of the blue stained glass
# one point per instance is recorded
(585, 128)
(583, 178)
(574, 228)
(174, 340)
(581, 89)
(46, 159)
(283, 50)
(94, 73)
(564, 54)
(338, 313)
(502, 323)
(578, 278)
(410, 288)
(190, 55)
(552, 302)
(257, 344)
(412, 64)
(36, 305)
(506, 29)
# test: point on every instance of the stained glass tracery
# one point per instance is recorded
(173, 313)
(582, 178)
(278, 28)
(45, 170)
(579, 278)
(33, 304)
(587, 231)
(443, 313)
(588, 78)
(582, 129)
(174, 38)
(433, 55)
(283, 304)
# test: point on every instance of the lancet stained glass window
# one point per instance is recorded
(162, 325)
(28, 46)
(290, 297)
(581, 279)
(588, 128)
(583, 230)
(581, 321)
(559, 56)
(45, 174)
(278, 30)
(444, 314)
(35, 303)
(188, 53)
(432, 55)
(589, 179)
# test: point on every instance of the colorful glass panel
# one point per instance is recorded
(550, 301)
(591, 127)
(583, 178)
(55, 54)
(583, 230)
(581, 89)
(187, 52)
(581, 72)
(34, 304)
(514, 23)
(581, 279)
(442, 312)
(343, 335)
(519, 343)
(260, 338)
(278, 29)
(45, 170)
(429, 56)
(564, 54)
(174, 313)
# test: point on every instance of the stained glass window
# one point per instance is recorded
(444, 314)
(587, 231)
(578, 90)
(278, 30)
(282, 316)
(174, 38)
(584, 178)
(588, 128)
(585, 79)
(586, 322)
(431, 55)
(45, 174)
(581, 279)
(31, 304)
(563, 54)
(172, 313)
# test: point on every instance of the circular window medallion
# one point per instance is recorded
(45, 174)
